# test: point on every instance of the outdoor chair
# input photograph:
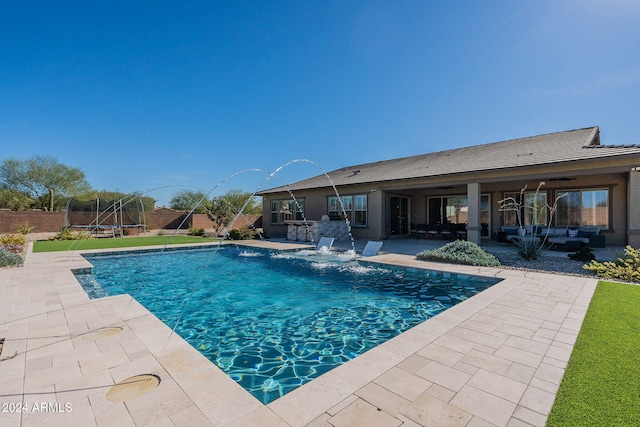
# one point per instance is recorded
(371, 248)
(325, 242)
(446, 232)
(461, 231)
(433, 231)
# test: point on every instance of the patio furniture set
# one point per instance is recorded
(438, 231)
(559, 238)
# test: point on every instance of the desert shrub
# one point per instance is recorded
(196, 231)
(64, 234)
(25, 229)
(13, 243)
(9, 259)
(460, 252)
(242, 233)
(585, 254)
(626, 267)
(67, 234)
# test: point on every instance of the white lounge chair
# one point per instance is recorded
(325, 242)
(322, 248)
(371, 248)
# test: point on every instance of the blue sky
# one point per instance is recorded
(142, 95)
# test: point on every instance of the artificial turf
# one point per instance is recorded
(601, 386)
(109, 243)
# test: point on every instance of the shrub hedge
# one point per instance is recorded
(196, 231)
(625, 268)
(242, 233)
(585, 254)
(67, 234)
(460, 252)
(9, 259)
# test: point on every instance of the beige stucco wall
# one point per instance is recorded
(316, 206)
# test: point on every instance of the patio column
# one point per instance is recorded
(473, 202)
(633, 228)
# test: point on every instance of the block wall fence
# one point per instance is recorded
(51, 222)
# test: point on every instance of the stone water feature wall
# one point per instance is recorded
(312, 231)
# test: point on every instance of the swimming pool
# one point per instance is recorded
(273, 321)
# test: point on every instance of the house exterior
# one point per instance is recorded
(595, 185)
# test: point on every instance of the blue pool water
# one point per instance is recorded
(273, 321)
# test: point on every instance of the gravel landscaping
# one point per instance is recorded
(544, 263)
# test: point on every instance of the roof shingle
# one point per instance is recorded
(530, 151)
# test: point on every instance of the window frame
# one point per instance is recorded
(360, 211)
(352, 208)
(445, 209)
(529, 213)
(279, 213)
(581, 223)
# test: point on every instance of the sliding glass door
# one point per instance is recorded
(398, 215)
(455, 210)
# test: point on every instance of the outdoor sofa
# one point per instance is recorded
(558, 236)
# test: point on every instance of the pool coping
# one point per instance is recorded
(495, 359)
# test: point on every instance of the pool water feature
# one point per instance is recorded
(274, 321)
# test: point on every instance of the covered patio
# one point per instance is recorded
(412, 246)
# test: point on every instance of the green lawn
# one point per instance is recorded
(601, 386)
(108, 243)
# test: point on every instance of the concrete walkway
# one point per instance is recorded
(493, 360)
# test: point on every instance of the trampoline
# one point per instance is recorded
(103, 217)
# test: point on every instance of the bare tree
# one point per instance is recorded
(531, 245)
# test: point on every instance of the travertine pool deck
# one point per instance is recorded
(494, 360)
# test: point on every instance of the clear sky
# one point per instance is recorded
(148, 94)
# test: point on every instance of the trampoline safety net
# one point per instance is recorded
(102, 216)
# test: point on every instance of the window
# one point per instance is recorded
(583, 208)
(455, 209)
(286, 210)
(360, 210)
(533, 209)
(568, 212)
(335, 210)
(484, 209)
(354, 206)
(484, 215)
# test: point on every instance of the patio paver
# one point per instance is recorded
(495, 359)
